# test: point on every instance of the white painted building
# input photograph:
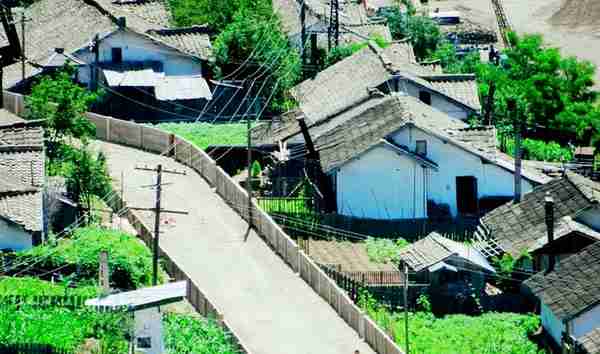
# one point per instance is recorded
(399, 155)
(569, 296)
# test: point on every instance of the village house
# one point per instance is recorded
(569, 204)
(146, 70)
(394, 157)
(22, 159)
(349, 84)
(452, 270)
(569, 297)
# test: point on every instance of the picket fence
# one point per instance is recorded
(154, 140)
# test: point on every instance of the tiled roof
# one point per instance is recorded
(22, 174)
(461, 87)
(191, 40)
(591, 342)
(573, 287)
(519, 227)
(366, 129)
(141, 15)
(424, 253)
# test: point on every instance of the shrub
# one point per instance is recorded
(381, 250)
(187, 335)
(30, 287)
(129, 261)
(539, 150)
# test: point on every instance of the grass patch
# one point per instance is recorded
(490, 333)
(129, 260)
(186, 335)
(62, 328)
(204, 135)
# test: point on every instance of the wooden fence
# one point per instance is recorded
(157, 141)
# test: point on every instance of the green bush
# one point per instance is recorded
(204, 135)
(539, 150)
(129, 260)
(188, 335)
(490, 333)
(63, 328)
(30, 287)
(382, 250)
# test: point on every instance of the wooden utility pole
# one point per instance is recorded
(94, 72)
(303, 33)
(518, 127)
(23, 45)
(406, 307)
(157, 211)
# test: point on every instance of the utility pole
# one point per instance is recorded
(1, 82)
(334, 24)
(406, 307)
(157, 211)
(518, 127)
(94, 71)
(303, 33)
(23, 45)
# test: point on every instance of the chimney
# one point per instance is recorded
(122, 22)
(59, 50)
(549, 209)
(511, 104)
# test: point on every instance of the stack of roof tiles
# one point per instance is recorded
(21, 172)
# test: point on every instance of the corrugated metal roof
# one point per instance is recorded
(143, 298)
(172, 88)
(145, 77)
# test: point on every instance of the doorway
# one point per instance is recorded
(466, 195)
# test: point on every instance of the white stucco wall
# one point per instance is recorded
(14, 237)
(438, 101)
(139, 48)
(591, 218)
(586, 322)
(453, 162)
(382, 185)
(148, 323)
(551, 324)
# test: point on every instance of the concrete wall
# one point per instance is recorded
(382, 184)
(14, 237)
(148, 324)
(136, 47)
(551, 324)
(438, 101)
(453, 162)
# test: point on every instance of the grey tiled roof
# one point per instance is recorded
(141, 15)
(519, 227)
(424, 253)
(191, 40)
(461, 87)
(573, 287)
(22, 174)
(591, 341)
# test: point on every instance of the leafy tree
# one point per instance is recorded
(551, 90)
(216, 13)
(260, 36)
(61, 104)
(450, 61)
(423, 32)
(86, 175)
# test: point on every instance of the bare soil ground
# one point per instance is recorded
(571, 25)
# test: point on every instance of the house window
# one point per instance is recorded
(422, 147)
(144, 342)
(117, 55)
(425, 97)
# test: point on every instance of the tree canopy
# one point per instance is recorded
(551, 90)
(215, 13)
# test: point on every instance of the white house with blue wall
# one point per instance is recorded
(401, 159)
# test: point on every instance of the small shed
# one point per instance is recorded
(146, 307)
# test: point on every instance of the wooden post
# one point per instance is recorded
(156, 225)
(103, 274)
(406, 306)
(249, 179)
(23, 45)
